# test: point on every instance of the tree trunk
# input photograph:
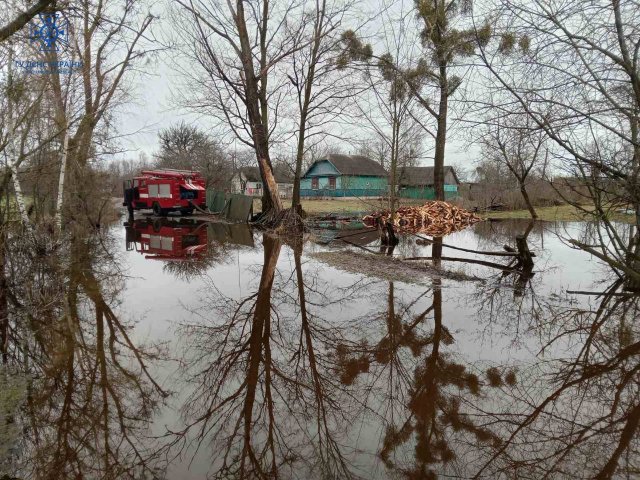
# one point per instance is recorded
(14, 157)
(22, 18)
(22, 207)
(525, 258)
(61, 177)
(394, 165)
(4, 306)
(387, 235)
(525, 196)
(63, 124)
(270, 198)
(436, 251)
(304, 112)
(271, 202)
(441, 136)
(295, 199)
(12, 163)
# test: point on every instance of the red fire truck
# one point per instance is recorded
(165, 191)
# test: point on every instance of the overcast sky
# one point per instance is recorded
(153, 108)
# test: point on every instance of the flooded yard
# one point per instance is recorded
(179, 349)
(257, 240)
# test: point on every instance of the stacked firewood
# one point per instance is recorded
(433, 218)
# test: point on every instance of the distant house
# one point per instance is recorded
(248, 181)
(344, 176)
(417, 182)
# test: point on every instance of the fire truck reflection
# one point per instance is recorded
(174, 240)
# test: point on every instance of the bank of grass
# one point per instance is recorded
(341, 206)
(358, 206)
(560, 213)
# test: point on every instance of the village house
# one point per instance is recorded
(417, 182)
(339, 175)
(248, 181)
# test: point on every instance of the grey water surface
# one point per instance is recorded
(184, 350)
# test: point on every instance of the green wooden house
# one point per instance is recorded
(344, 176)
(417, 182)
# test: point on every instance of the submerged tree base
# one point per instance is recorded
(287, 221)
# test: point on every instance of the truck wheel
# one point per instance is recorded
(158, 211)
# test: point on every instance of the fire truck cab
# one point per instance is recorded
(165, 191)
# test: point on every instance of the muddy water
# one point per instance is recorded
(190, 351)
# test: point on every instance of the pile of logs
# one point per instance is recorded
(433, 218)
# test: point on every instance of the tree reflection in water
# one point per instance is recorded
(265, 392)
(281, 390)
(316, 374)
(91, 394)
(286, 387)
(577, 411)
(421, 396)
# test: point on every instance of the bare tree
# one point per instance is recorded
(432, 74)
(237, 52)
(444, 42)
(321, 91)
(186, 147)
(21, 18)
(100, 28)
(387, 109)
(31, 133)
(516, 144)
(575, 75)
(69, 119)
(16, 138)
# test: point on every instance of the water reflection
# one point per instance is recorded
(304, 371)
(289, 386)
(188, 247)
(167, 239)
(265, 393)
(284, 388)
(89, 394)
(581, 409)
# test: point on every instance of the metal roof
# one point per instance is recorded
(281, 174)
(416, 176)
(353, 165)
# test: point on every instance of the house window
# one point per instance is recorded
(314, 183)
(332, 183)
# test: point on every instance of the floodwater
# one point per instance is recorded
(180, 350)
